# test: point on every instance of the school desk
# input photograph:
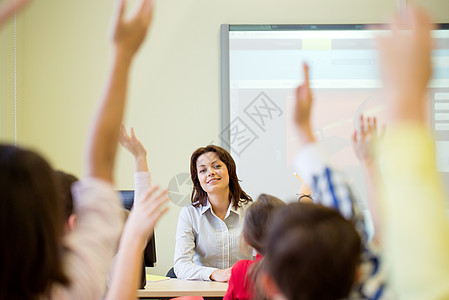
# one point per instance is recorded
(171, 288)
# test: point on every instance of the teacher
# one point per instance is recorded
(208, 233)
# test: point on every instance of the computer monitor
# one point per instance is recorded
(150, 250)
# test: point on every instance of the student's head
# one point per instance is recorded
(258, 219)
(312, 252)
(65, 181)
(212, 170)
(31, 225)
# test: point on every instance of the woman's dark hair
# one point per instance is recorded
(199, 196)
(31, 226)
(258, 219)
(312, 252)
(65, 181)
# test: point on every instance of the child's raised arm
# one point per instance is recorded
(364, 142)
(405, 65)
(329, 188)
(128, 35)
(415, 227)
(140, 224)
(303, 109)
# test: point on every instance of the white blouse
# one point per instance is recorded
(205, 243)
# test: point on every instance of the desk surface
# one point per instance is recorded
(177, 287)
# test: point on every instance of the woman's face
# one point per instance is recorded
(212, 173)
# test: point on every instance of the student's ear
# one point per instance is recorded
(71, 222)
(269, 287)
(358, 273)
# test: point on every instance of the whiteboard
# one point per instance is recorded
(261, 67)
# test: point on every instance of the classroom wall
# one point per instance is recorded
(7, 84)
(8, 112)
(174, 94)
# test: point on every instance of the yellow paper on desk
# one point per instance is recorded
(153, 278)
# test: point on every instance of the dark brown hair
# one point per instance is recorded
(199, 196)
(65, 181)
(312, 252)
(31, 226)
(258, 219)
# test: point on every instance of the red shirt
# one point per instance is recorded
(239, 285)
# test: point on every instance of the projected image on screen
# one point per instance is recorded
(265, 69)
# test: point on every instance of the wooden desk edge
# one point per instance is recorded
(163, 292)
(143, 293)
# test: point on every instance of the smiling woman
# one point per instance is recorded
(208, 232)
(213, 175)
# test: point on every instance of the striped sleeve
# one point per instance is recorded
(329, 188)
(90, 247)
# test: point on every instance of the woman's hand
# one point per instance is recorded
(221, 275)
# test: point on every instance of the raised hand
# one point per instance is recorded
(364, 139)
(133, 145)
(364, 143)
(139, 226)
(145, 214)
(128, 34)
(303, 107)
(406, 65)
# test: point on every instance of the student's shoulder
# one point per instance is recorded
(241, 267)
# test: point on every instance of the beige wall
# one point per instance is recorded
(7, 80)
(7, 83)
(174, 95)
